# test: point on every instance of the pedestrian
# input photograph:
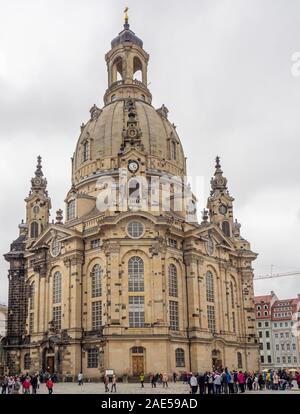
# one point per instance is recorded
(49, 385)
(165, 380)
(17, 386)
(201, 382)
(217, 383)
(4, 385)
(153, 381)
(113, 383)
(106, 382)
(241, 381)
(210, 383)
(34, 383)
(80, 378)
(26, 386)
(193, 384)
(174, 377)
(142, 379)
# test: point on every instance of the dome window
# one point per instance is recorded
(143, 97)
(113, 98)
(135, 229)
(71, 210)
(86, 151)
(173, 150)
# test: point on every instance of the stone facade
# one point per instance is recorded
(135, 286)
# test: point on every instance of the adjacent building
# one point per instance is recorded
(140, 288)
(277, 323)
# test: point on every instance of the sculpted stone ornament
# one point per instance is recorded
(111, 248)
(163, 111)
(95, 112)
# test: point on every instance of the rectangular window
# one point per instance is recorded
(260, 334)
(262, 359)
(268, 345)
(174, 315)
(276, 335)
(261, 346)
(210, 296)
(267, 334)
(31, 323)
(211, 319)
(287, 335)
(266, 324)
(93, 358)
(289, 360)
(95, 244)
(71, 210)
(259, 324)
(269, 359)
(282, 347)
(96, 315)
(275, 325)
(283, 359)
(281, 335)
(294, 347)
(136, 310)
(295, 360)
(172, 243)
(278, 360)
(288, 347)
(277, 347)
(57, 317)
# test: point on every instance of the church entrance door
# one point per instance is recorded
(137, 365)
(50, 364)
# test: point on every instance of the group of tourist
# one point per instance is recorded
(25, 384)
(233, 382)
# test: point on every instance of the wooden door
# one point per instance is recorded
(137, 365)
(50, 364)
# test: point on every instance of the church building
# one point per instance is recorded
(127, 279)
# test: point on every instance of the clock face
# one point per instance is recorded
(133, 166)
(223, 209)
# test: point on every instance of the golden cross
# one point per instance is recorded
(126, 14)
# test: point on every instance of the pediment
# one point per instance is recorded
(53, 231)
(215, 233)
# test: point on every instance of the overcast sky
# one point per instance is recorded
(222, 68)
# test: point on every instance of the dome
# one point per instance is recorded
(126, 35)
(103, 134)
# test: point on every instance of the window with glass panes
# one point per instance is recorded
(56, 317)
(136, 311)
(135, 274)
(71, 210)
(211, 319)
(97, 314)
(210, 296)
(86, 151)
(173, 285)
(174, 315)
(179, 356)
(57, 287)
(96, 281)
(93, 358)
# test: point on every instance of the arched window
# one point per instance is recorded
(96, 281)
(239, 360)
(134, 191)
(137, 69)
(117, 70)
(210, 295)
(57, 287)
(86, 151)
(34, 229)
(135, 274)
(173, 285)
(232, 294)
(173, 150)
(71, 210)
(31, 296)
(226, 228)
(27, 361)
(179, 357)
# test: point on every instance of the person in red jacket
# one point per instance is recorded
(26, 386)
(49, 385)
(298, 379)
